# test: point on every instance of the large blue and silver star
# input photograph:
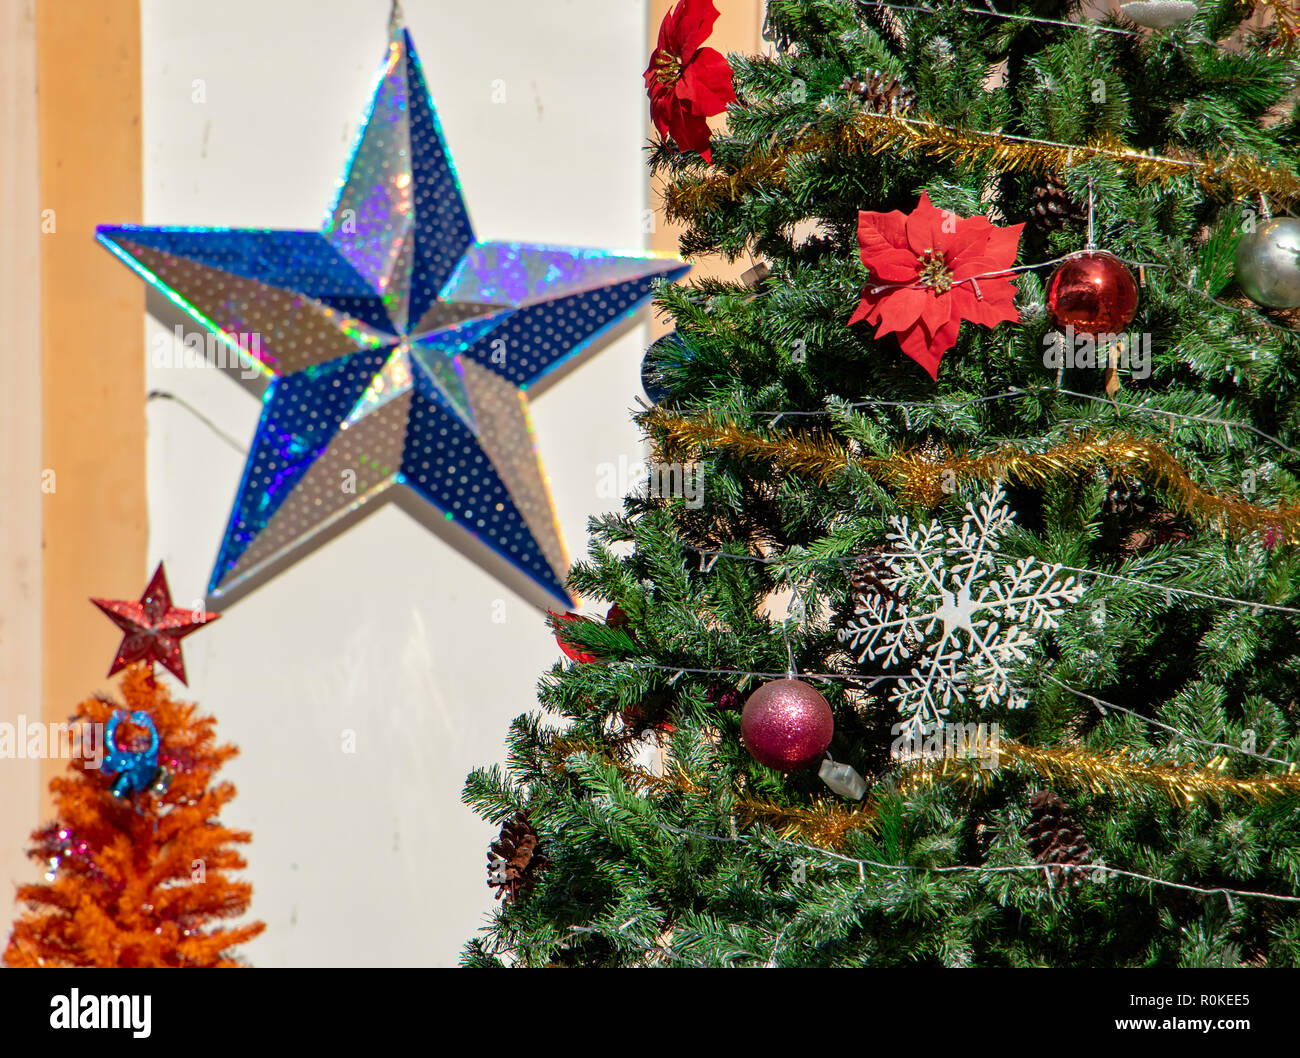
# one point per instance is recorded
(400, 350)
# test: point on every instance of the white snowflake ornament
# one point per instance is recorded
(968, 620)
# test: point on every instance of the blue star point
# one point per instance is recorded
(400, 348)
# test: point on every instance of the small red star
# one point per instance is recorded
(153, 626)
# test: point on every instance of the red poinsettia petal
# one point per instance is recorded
(706, 83)
(894, 266)
(1004, 245)
(900, 309)
(925, 226)
(863, 311)
(688, 25)
(946, 336)
(994, 307)
(689, 131)
(880, 233)
(666, 42)
(971, 226)
(661, 106)
(985, 270)
(937, 312)
(926, 350)
(964, 247)
(998, 254)
(976, 265)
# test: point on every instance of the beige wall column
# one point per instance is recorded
(91, 311)
(20, 431)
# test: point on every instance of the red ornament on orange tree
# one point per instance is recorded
(153, 628)
(1092, 292)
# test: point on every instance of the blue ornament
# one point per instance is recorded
(135, 769)
(651, 379)
(400, 351)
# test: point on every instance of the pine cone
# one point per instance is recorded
(933, 451)
(869, 579)
(881, 92)
(1054, 207)
(1123, 496)
(1055, 840)
(515, 858)
(1162, 528)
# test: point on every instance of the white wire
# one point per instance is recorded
(1017, 391)
(1151, 585)
(863, 863)
(998, 14)
(867, 682)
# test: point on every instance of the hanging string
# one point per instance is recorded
(1017, 391)
(1141, 266)
(1209, 420)
(990, 12)
(1162, 589)
(1092, 241)
(791, 671)
(862, 863)
(1103, 706)
(867, 682)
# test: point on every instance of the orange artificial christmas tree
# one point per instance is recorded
(138, 865)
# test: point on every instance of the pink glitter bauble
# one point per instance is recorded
(786, 725)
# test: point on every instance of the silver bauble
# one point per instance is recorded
(1158, 14)
(1268, 263)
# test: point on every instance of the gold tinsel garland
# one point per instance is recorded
(1287, 17)
(1229, 177)
(827, 823)
(1118, 773)
(921, 481)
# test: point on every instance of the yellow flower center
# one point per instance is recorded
(933, 271)
(668, 67)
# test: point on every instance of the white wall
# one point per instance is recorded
(370, 859)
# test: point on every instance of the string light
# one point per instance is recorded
(1141, 266)
(1103, 707)
(1016, 391)
(989, 12)
(861, 863)
(1227, 424)
(1239, 309)
(1163, 589)
(868, 682)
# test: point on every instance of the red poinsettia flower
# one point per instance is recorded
(687, 82)
(929, 271)
(571, 650)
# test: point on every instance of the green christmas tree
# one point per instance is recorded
(1028, 527)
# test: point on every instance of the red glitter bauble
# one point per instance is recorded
(1093, 293)
(786, 725)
